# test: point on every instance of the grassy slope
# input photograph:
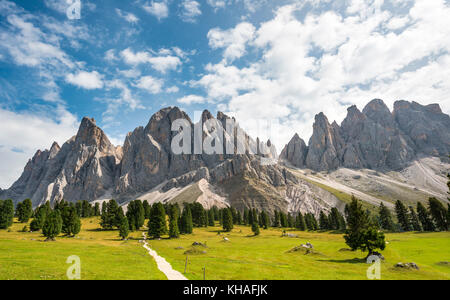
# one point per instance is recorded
(265, 257)
(102, 254)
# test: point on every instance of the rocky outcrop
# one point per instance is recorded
(374, 138)
(324, 146)
(427, 126)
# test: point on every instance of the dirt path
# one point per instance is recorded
(162, 263)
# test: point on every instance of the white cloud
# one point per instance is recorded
(150, 84)
(190, 10)
(191, 99)
(162, 63)
(86, 80)
(36, 131)
(110, 55)
(172, 89)
(158, 9)
(328, 60)
(129, 17)
(216, 4)
(233, 40)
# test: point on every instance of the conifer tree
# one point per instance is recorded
(283, 220)
(211, 218)
(300, 222)
(403, 216)
(239, 218)
(147, 208)
(425, 218)
(414, 220)
(250, 217)
(227, 220)
(124, 228)
(323, 221)
(24, 211)
(438, 213)
(386, 222)
(97, 209)
(290, 221)
(109, 215)
(173, 222)
(157, 225)
(265, 220)
(71, 224)
(255, 228)
(135, 215)
(6, 213)
(357, 223)
(186, 220)
(53, 225)
(245, 219)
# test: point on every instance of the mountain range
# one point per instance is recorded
(413, 141)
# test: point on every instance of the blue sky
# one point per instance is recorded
(278, 61)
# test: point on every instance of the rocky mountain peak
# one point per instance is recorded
(89, 134)
(378, 111)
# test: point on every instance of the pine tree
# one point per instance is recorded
(103, 208)
(227, 220)
(135, 215)
(438, 213)
(198, 215)
(147, 208)
(372, 239)
(357, 223)
(265, 220)
(96, 209)
(308, 222)
(255, 228)
(6, 213)
(157, 226)
(323, 221)
(386, 222)
(186, 221)
(24, 211)
(290, 221)
(250, 217)
(53, 225)
(245, 217)
(71, 224)
(173, 222)
(239, 218)
(109, 215)
(414, 219)
(300, 222)
(211, 218)
(425, 218)
(124, 228)
(283, 220)
(403, 216)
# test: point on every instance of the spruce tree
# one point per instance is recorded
(157, 225)
(6, 213)
(300, 222)
(438, 213)
(39, 219)
(414, 219)
(147, 208)
(124, 228)
(357, 223)
(403, 216)
(24, 211)
(97, 209)
(255, 228)
(227, 220)
(173, 222)
(386, 222)
(135, 215)
(323, 221)
(265, 220)
(211, 218)
(53, 225)
(250, 217)
(290, 221)
(283, 220)
(425, 218)
(245, 219)
(186, 220)
(109, 215)
(71, 224)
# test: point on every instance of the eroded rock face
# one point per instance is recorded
(426, 125)
(295, 152)
(374, 138)
(83, 168)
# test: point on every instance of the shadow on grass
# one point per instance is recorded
(345, 261)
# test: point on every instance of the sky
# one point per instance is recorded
(272, 64)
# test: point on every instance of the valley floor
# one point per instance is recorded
(104, 256)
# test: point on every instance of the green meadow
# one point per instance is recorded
(103, 255)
